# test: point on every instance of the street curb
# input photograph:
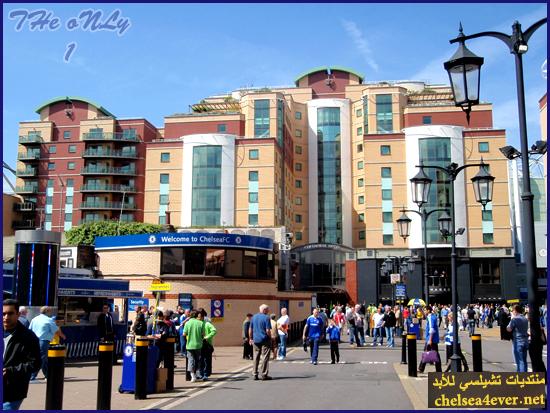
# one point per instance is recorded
(417, 400)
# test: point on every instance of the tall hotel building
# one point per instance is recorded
(329, 160)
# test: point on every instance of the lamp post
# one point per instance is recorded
(483, 190)
(392, 264)
(404, 227)
(462, 69)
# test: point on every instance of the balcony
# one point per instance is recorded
(110, 136)
(108, 170)
(90, 220)
(106, 205)
(24, 207)
(27, 172)
(25, 224)
(106, 188)
(109, 153)
(30, 140)
(26, 189)
(32, 156)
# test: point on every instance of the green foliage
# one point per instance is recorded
(84, 234)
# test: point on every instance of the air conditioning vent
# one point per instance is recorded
(370, 253)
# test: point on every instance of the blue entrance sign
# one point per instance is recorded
(134, 302)
(185, 300)
(195, 239)
(400, 290)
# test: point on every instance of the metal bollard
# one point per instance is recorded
(56, 377)
(476, 352)
(104, 375)
(142, 350)
(169, 362)
(404, 348)
(411, 346)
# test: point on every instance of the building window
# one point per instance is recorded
(486, 271)
(72, 148)
(488, 239)
(51, 166)
(165, 157)
(280, 121)
(360, 165)
(487, 215)
(49, 200)
(164, 178)
(359, 131)
(254, 154)
(69, 200)
(298, 183)
(50, 183)
(68, 217)
(70, 166)
(163, 199)
(252, 219)
(361, 234)
(361, 182)
(386, 194)
(483, 146)
(162, 220)
(385, 150)
(253, 176)
(387, 217)
(67, 134)
(361, 199)
(384, 121)
(52, 149)
(261, 118)
(361, 217)
(298, 200)
(298, 218)
(359, 112)
(48, 217)
(298, 166)
(206, 187)
(298, 236)
(222, 127)
(298, 115)
(386, 172)
(70, 183)
(426, 120)
(387, 239)
(253, 197)
(360, 147)
(298, 133)
(298, 149)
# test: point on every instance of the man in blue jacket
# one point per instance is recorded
(314, 330)
(432, 338)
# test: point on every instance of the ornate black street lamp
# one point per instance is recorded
(464, 78)
(484, 181)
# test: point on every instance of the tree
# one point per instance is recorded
(85, 234)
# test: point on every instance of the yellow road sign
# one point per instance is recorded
(160, 287)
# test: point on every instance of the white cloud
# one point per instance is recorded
(361, 43)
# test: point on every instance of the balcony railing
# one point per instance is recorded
(108, 170)
(24, 207)
(27, 172)
(25, 224)
(106, 205)
(26, 189)
(106, 188)
(108, 153)
(90, 220)
(110, 136)
(33, 156)
(31, 139)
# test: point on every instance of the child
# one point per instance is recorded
(333, 334)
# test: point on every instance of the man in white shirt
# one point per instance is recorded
(282, 328)
(378, 319)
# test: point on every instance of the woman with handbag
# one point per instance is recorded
(431, 352)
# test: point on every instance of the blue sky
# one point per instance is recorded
(174, 55)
